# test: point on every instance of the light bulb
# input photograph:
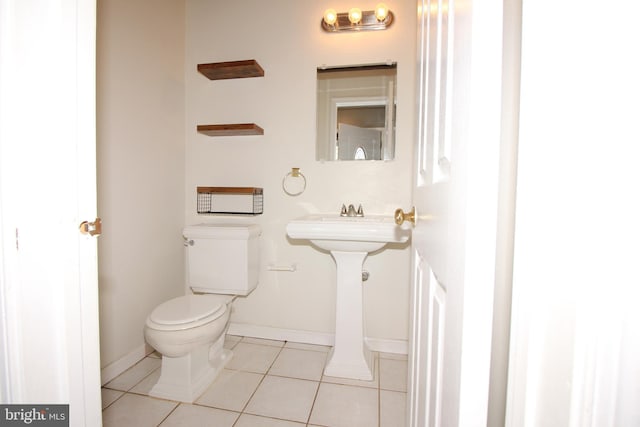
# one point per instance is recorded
(382, 11)
(355, 15)
(330, 16)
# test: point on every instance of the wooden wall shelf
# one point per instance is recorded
(231, 130)
(231, 70)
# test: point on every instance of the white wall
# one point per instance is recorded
(140, 145)
(286, 39)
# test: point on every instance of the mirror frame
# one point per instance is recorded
(323, 148)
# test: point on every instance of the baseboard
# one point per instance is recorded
(309, 337)
(114, 369)
(269, 333)
(388, 346)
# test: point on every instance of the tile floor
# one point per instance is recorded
(266, 384)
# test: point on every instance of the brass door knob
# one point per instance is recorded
(401, 216)
(91, 228)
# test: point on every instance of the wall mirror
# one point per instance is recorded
(356, 112)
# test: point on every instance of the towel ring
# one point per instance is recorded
(294, 183)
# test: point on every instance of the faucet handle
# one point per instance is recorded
(343, 210)
(360, 211)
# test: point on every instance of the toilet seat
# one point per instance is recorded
(188, 311)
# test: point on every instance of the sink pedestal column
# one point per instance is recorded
(350, 357)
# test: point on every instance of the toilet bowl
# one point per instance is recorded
(189, 331)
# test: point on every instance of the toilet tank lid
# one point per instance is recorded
(221, 231)
(188, 308)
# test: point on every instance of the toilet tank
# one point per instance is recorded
(223, 258)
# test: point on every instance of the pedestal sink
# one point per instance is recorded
(350, 240)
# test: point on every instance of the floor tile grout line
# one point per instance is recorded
(219, 408)
(169, 414)
(268, 417)
(313, 404)
(281, 376)
(264, 342)
(131, 388)
(116, 399)
(294, 378)
(253, 394)
(379, 403)
(379, 388)
(143, 378)
(259, 384)
(305, 349)
(133, 366)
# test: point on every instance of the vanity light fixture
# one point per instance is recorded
(355, 15)
(356, 20)
(330, 17)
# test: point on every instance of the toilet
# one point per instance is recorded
(222, 262)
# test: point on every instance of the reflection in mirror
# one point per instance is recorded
(356, 112)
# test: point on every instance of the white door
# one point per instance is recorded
(356, 143)
(48, 270)
(575, 346)
(456, 197)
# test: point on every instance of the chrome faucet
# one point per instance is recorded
(351, 211)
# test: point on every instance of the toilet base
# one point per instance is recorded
(185, 378)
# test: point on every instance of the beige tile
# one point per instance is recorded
(135, 410)
(345, 406)
(393, 374)
(288, 396)
(110, 396)
(393, 408)
(199, 416)
(145, 386)
(395, 356)
(302, 364)
(312, 347)
(230, 341)
(248, 420)
(134, 375)
(262, 341)
(253, 357)
(231, 390)
(284, 398)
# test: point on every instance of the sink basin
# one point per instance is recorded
(349, 239)
(347, 234)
